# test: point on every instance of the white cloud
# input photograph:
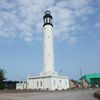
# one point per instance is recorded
(23, 18)
(77, 4)
(72, 40)
(28, 39)
(7, 25)
(7, 4)
(84, 11)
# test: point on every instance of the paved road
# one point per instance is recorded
(67, 95)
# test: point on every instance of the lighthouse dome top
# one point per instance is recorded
(47, 14)
(47, 18)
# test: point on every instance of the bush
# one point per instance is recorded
(2, 78)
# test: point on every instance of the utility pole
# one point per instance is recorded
(81, 76)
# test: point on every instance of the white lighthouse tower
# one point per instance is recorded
(48, 79)
(48, 68)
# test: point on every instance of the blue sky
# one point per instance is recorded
(76, 36)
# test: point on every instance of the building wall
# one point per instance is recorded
(45, 83)
(85, 84)
(38, 83)
(59, 83)
(72, 84)
(48, 83)
(21, 86)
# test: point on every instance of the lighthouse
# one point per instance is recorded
(48, 78)
(48, 67)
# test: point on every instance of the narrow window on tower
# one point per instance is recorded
(47, 19)
(50, 20)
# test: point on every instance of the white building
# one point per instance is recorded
(48, 79)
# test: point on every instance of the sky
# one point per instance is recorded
(76, 26)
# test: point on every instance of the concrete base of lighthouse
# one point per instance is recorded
(50, 83)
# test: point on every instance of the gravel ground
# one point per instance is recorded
(62, 95)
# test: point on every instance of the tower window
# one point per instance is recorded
(45, 20)
(48, 20)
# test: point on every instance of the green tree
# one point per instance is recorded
(2, 78)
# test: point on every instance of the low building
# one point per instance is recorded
(21, 85)
(85, 84)
(44, 83)
(72, 84)
(93, 80)
(10, 84)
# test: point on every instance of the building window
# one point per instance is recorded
(60, 81)
(40, 83)
(54, 82)
(65, 83)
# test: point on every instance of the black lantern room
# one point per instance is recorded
(47, 18)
